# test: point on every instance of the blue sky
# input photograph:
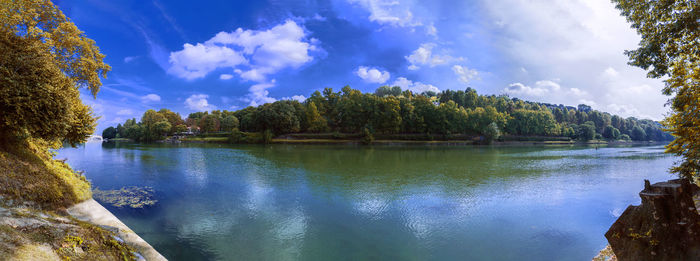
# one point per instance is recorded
(202, 55)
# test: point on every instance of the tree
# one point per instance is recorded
(669, 47)
(638, 134)
(586, 131)
(109, 133)
(229, 123)
(44, 58)
(316, 122)
(491, 132)
(208, 123)
(120, 130)
(155, 126)
(173, 118)
(611, 133)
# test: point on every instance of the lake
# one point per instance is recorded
(327, 202)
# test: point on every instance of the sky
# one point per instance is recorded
(193, 56)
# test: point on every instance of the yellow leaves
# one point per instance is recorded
(74, 53)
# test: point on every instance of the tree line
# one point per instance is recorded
(390, 110)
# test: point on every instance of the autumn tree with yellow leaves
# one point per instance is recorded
(670, 49)
(44, 60)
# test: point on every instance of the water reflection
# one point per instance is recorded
(385, 203)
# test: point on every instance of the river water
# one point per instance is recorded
(325, 202)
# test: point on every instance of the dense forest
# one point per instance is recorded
(390, 110)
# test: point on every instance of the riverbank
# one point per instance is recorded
(287, 140)
(47, 212)
(28, 233)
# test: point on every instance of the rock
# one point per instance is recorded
(666, 226)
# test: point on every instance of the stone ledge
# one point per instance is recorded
(93, 212)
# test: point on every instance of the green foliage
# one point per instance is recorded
(367, 137)
(611, 133)
(388, 91)
(491, 132)
(448, 115)
(586, 131)
(267, 136)
(316, 122)
(109, 133)
(638, 134)
(229, 123)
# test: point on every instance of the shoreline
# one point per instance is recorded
(224, 140)
(93, 212)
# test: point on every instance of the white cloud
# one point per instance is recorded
(282, 46)
(546, 91)
(610, 72)
(198, 102)
(581, 42)
(299, 98)
(465, 75)
(424, 56)
(431, 30)
(258, 94)
(372, 75)
(388, 12)
(129, 59)
(124, 112)
(196, 61)
(415, 87)
(253, 54)
(150, 98)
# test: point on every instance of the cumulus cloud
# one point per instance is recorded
(548, 91)
(424, 56)
(388, 12)
(299, 98)
(464, 74)
(372, 75)
(198, 102)
(150, 98)
(253, 54)
(258, 94)
(416, 87)
(196, 61)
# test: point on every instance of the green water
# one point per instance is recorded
(291, 202)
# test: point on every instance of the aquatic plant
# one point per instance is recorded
(133, 197)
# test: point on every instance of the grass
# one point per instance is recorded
(206, 139)
(29, 173)
(35, 187)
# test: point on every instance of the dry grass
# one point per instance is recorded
(28, 173)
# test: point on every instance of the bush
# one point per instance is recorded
(367, 137)
(267, 136)
(491, 133)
